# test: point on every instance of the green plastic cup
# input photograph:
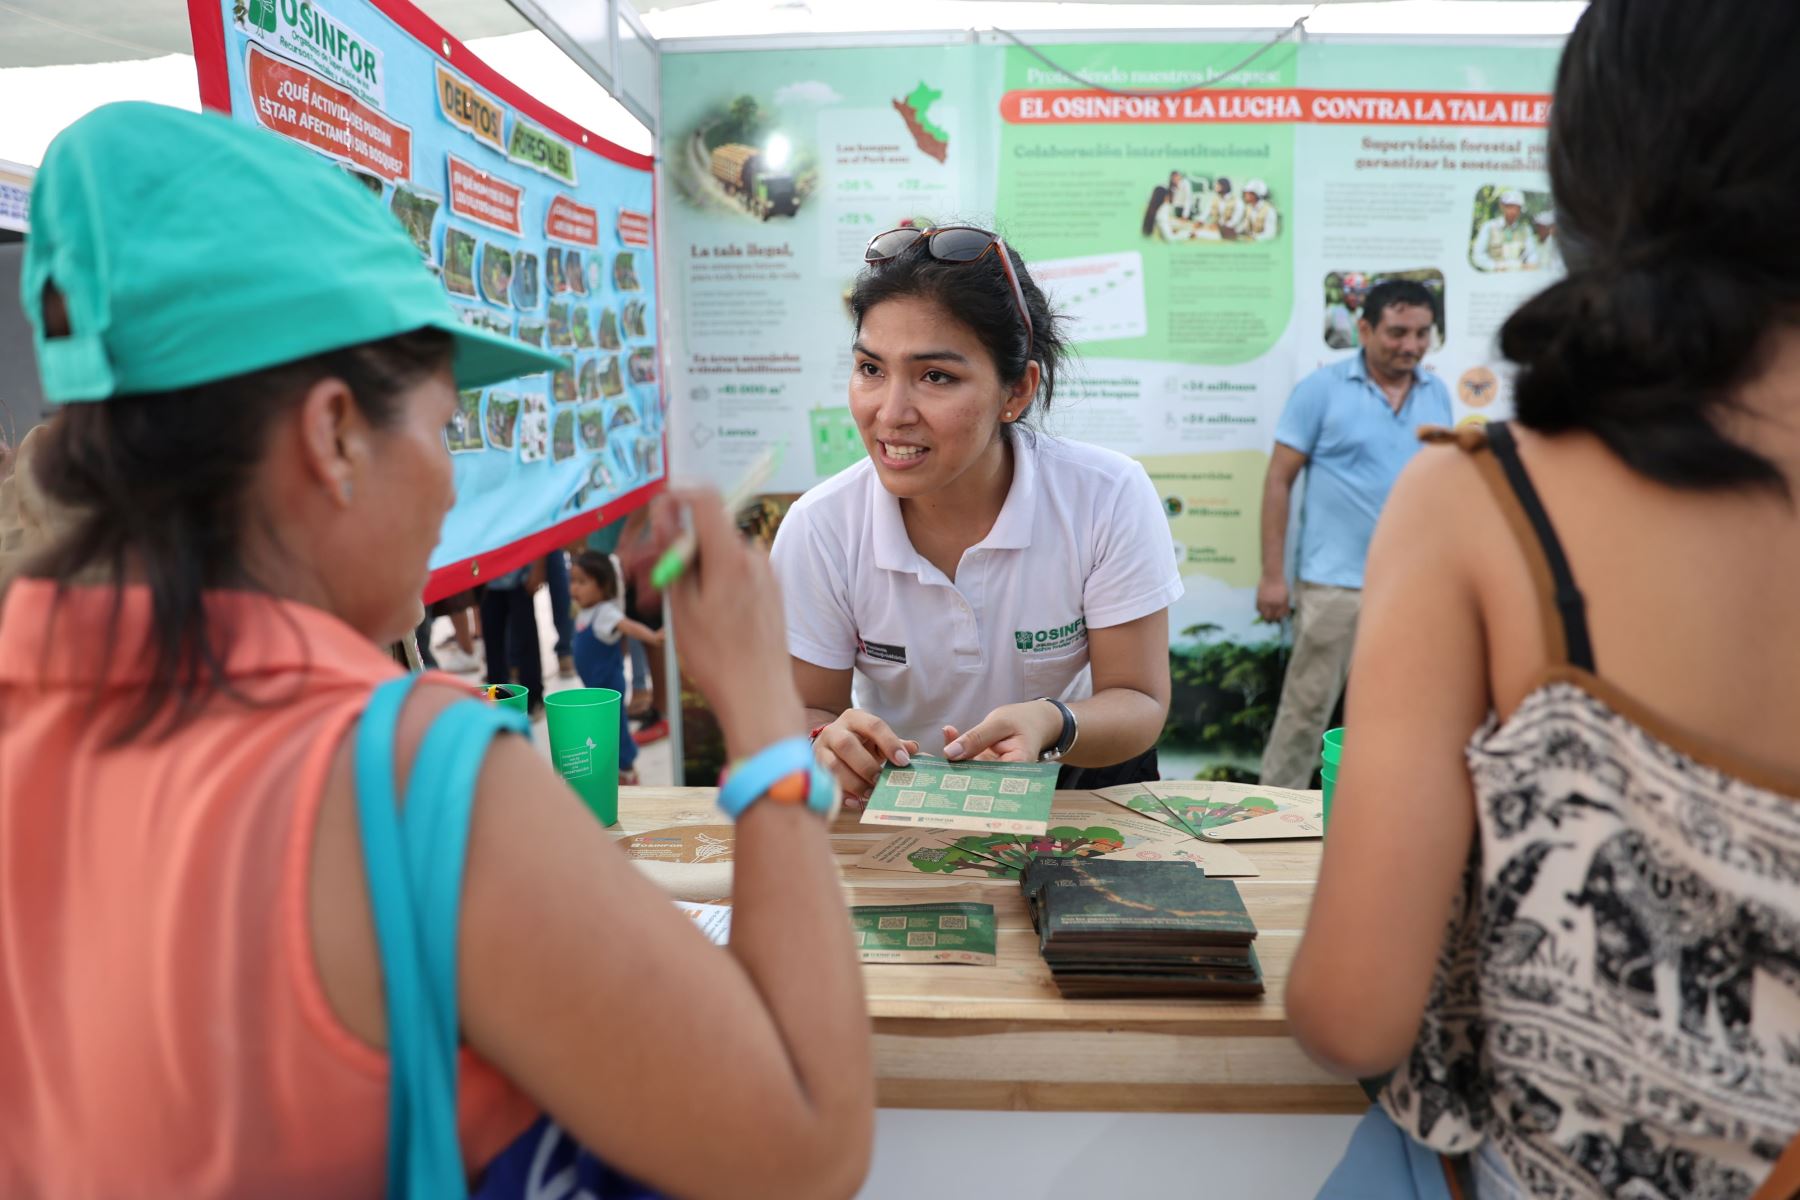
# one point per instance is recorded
(1334, 746)
(584, 745)
(1328, 773)
(512, 695)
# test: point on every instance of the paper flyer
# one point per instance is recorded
(1243, 812)
(1096, 832)
(926, 852)
(1008, 849)
(925, 933)
(1151, 841)
(714, 920)
(1074, 833)
(1141, 800)
(994, 796)
(683, 844)
(1101, 831)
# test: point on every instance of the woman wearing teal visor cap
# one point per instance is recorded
(274, 919)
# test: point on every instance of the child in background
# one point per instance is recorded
(600, 628)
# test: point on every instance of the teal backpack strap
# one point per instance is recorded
(412, 1144)
(435, 825)
(414, 864)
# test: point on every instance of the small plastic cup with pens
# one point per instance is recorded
(506, 695)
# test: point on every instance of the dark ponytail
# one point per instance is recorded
(1675, 208)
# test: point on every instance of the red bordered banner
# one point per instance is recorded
(1260, 106)
(486, 198)
(215, 64)
(206, 19)
(455, 577)
(634, 227)
(570, 222)
(297, 104)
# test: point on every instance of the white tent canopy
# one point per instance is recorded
(731, 18)
(40, 33)
(46, 33)
(62, 58)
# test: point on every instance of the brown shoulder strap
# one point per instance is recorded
(1783, 1181)
(1561, 609)
(1454, 1170)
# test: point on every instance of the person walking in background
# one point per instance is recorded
(651, 690)
(458, 654)
(562, 612)
(1558, 897)
(509, 622)
(1351, 427)
(1503, 242)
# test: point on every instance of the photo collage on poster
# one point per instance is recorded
(577, 292)
(563, 298)
(535, 230)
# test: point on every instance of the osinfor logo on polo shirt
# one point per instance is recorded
(1037, 641)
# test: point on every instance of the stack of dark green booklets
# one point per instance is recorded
(1115, 927)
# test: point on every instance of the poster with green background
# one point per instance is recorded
(1121, 171)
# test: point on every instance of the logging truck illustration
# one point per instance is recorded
(748, 176)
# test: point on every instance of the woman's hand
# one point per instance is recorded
(1011, 733)
(855, 746)
(733, 636)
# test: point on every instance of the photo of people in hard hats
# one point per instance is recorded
(1258, 222)
(1186, 207)
(1344, 293)
(1546, 250)
(1513, 230)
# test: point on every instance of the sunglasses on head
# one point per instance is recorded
(952, 244)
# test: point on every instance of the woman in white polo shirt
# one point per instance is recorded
(974, 588)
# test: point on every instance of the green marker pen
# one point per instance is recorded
(680, 553)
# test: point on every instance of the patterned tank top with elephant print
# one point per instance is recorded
(1616, 1006)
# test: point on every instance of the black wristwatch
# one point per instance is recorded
(1066, 740)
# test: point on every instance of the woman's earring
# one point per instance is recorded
(346, 490)
(1007, 414)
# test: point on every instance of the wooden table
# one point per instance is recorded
(1002, 1037)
